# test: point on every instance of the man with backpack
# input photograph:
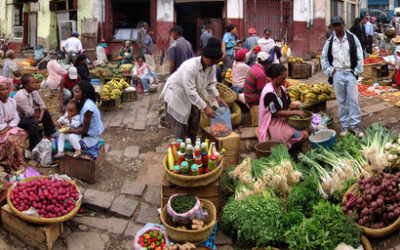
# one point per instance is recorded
(342, 61)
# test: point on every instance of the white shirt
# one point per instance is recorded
(340, 52)
(266, 45)
(73, 44)
(184, 86)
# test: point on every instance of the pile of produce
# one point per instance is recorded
(50, 197)
(126, 68)
(220, 129)
(183, 203)
(393, 98)
(372, 60)
(228, 76)
(365, 91)
(311, 93)
(375, 201)
(292, 59)
(152, 239)
(113, 89)
(28, 62)
(186, 159)
(186, 246)
(108, 71)
(38, 76)
(277, 172)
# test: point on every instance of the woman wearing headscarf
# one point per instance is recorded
(12, 138)
(11, 69)
(126, 54)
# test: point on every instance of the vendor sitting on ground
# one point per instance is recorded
(56, 71)
(12, 138)
(11, 69)
(239, 71)
(256, 79)
(82, 68)
(90, 117)
(183, 88)
(68, 82)
(275, 108)
(33, 111)
(141, 72)
(126, 54)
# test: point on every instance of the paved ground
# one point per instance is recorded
(127, 192)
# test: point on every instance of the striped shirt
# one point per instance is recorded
(254, 84)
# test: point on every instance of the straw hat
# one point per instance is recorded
(396, 39)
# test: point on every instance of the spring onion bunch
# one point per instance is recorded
(375, 141)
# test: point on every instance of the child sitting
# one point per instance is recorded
(69, 120)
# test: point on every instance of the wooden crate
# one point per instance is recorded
(38, 236)
(110, 105)
(129, 96)
(300, 70)
(230, 143)
(82, 168)
(211, 192)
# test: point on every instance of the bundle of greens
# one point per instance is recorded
(304, 196)
(326, 229)
(350, 145)
(278, 172)
(374, 141)
(257, 219)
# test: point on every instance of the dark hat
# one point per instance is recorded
(337, 20)
(212, 49)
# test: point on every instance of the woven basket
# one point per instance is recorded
(302, 123)
(254, 115)
(39, 220)
(193, 236)
(51, 99)
(192, 181)
(370, 71)
(236, 117)
(365, 243)
(226, 93)
(372, 232)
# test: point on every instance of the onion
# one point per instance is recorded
(388, 145)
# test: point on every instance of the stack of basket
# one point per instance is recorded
(230, 97)
(201, 186)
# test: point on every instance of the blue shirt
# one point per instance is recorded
(96, 126)
(369, 29)
(148, 41)
(229, 40)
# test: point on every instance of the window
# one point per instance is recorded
(351, 9)
(18, 29)
(336, 8)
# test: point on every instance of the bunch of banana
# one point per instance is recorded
(113, 89)
(105, 92)
(292, 59)
(311, 94)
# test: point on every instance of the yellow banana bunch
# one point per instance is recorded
(311, 94)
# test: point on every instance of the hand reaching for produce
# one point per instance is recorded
(301, 113)
(222, 102)
(209, 112)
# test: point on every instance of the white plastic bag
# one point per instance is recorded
(42, 152)
(145, 229)
(101, 54)
(186, 218)
(221, 124)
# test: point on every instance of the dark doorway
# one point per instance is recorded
(129, 13)
(188, 15)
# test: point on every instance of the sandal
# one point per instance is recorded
(59, 155)
(77, 153)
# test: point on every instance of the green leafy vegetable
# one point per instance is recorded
(325, 230)
(304, 196)
(257, 219)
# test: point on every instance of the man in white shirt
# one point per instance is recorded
(72, 47)
(342, 60)
(183, 88)
(369, 31)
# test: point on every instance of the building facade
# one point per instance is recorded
(49, 22)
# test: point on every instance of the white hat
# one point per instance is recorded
(262, 56)
(72, 73)
(397, 49)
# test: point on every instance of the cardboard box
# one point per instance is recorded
(83, 168)
(38, 236)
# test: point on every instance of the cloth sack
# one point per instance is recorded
(42, 152)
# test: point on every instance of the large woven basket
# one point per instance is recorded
(370, 71)
(51, 98)
(226, 93)
(236, 117)
(40, 220)
(193, 236)
(192, 181)
(254, 115)
(372, 232)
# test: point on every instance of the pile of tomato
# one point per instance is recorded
(372, 60)
(363, 90)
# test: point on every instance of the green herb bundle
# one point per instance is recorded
(304, 196)
(183, 203)
(326, 229)
(258, 220)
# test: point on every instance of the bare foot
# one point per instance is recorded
(77, 153)
(59, 155)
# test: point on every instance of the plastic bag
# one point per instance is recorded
(101, 54)
(186, 218)
(221, 125)
(42, 152)
(150, 227)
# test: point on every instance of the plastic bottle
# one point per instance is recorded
(204, 155)
(197, 151)
(189, 160)
(185, 168)
(212, 163)
(195, 170)
(177, 169)
(181, 154)
(198, 161)
(217, 158)
(173, 147)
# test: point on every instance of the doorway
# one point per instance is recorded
(32, 29)
(193, 15)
